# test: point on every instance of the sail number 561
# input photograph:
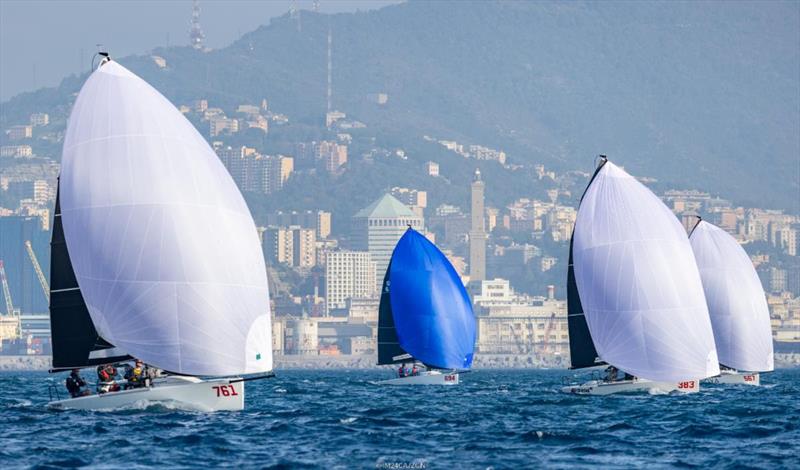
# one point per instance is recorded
(225, 390)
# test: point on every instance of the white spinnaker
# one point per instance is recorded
(638, 283)
(736, 300)
(163, 245)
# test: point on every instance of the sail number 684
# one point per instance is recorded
(225, 390)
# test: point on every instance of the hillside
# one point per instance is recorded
(697, 95)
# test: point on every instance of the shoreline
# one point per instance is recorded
(483, 361)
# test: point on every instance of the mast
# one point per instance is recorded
(582, 351)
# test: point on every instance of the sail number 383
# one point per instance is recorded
(689, 384)
(225, 390)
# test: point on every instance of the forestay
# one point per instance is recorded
(430, 307)
(638, 283)
(736, 300)
(163, 246)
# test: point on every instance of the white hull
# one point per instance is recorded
(187, 392)
(432, 377)
(598, 387)
(736, 378)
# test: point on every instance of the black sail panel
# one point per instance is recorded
(388, 344)
(582, 352)
(75, 340)
(581, 346)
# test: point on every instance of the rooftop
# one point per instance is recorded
(386, 207)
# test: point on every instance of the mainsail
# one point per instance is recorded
(75, 340)
(639, 286)
(164, 249)
(389, 349)
(736, 300)
(582, 352)
(430, 310)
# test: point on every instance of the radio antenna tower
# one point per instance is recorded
(196, 35)
(330, 65)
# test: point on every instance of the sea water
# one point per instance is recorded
(341, 419)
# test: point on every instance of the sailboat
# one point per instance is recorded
(736, 303)
(155, 254)
(634, 296)
(425, 315)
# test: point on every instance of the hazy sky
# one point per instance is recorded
(41, 41)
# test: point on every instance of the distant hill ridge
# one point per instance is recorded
(697, 95)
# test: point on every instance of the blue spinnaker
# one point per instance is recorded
(432, 312)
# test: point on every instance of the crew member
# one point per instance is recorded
(135, 375)
(402, 372)
(611, 374)
(105, 379)
(76, 386)
(414, 370)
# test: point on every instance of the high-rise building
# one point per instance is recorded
(277, 169)
(348, 275)
(292, 246)
(304, 242)
(379, 226)
(477, 234)
(323, 224)
(278, 245)
(256, 173)
(332, 155)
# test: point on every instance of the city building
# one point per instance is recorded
(320, 221)
(416, 200)
(20, 132)
(222, 125)
(16, 151)
(292, 246)
(432, 168)
(477, 233)
(377, 228)
(509, 323)
(348, 275)
(39, 119)
(332, 155)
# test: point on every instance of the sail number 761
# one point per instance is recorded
(225, 390)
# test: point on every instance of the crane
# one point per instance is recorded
(9, 304)
(38, 269)
(547, 331)
(6, 290)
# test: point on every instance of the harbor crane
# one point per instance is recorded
(38, 269)
(11, 312)
(6, 290)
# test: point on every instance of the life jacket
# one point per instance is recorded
(104, 376)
